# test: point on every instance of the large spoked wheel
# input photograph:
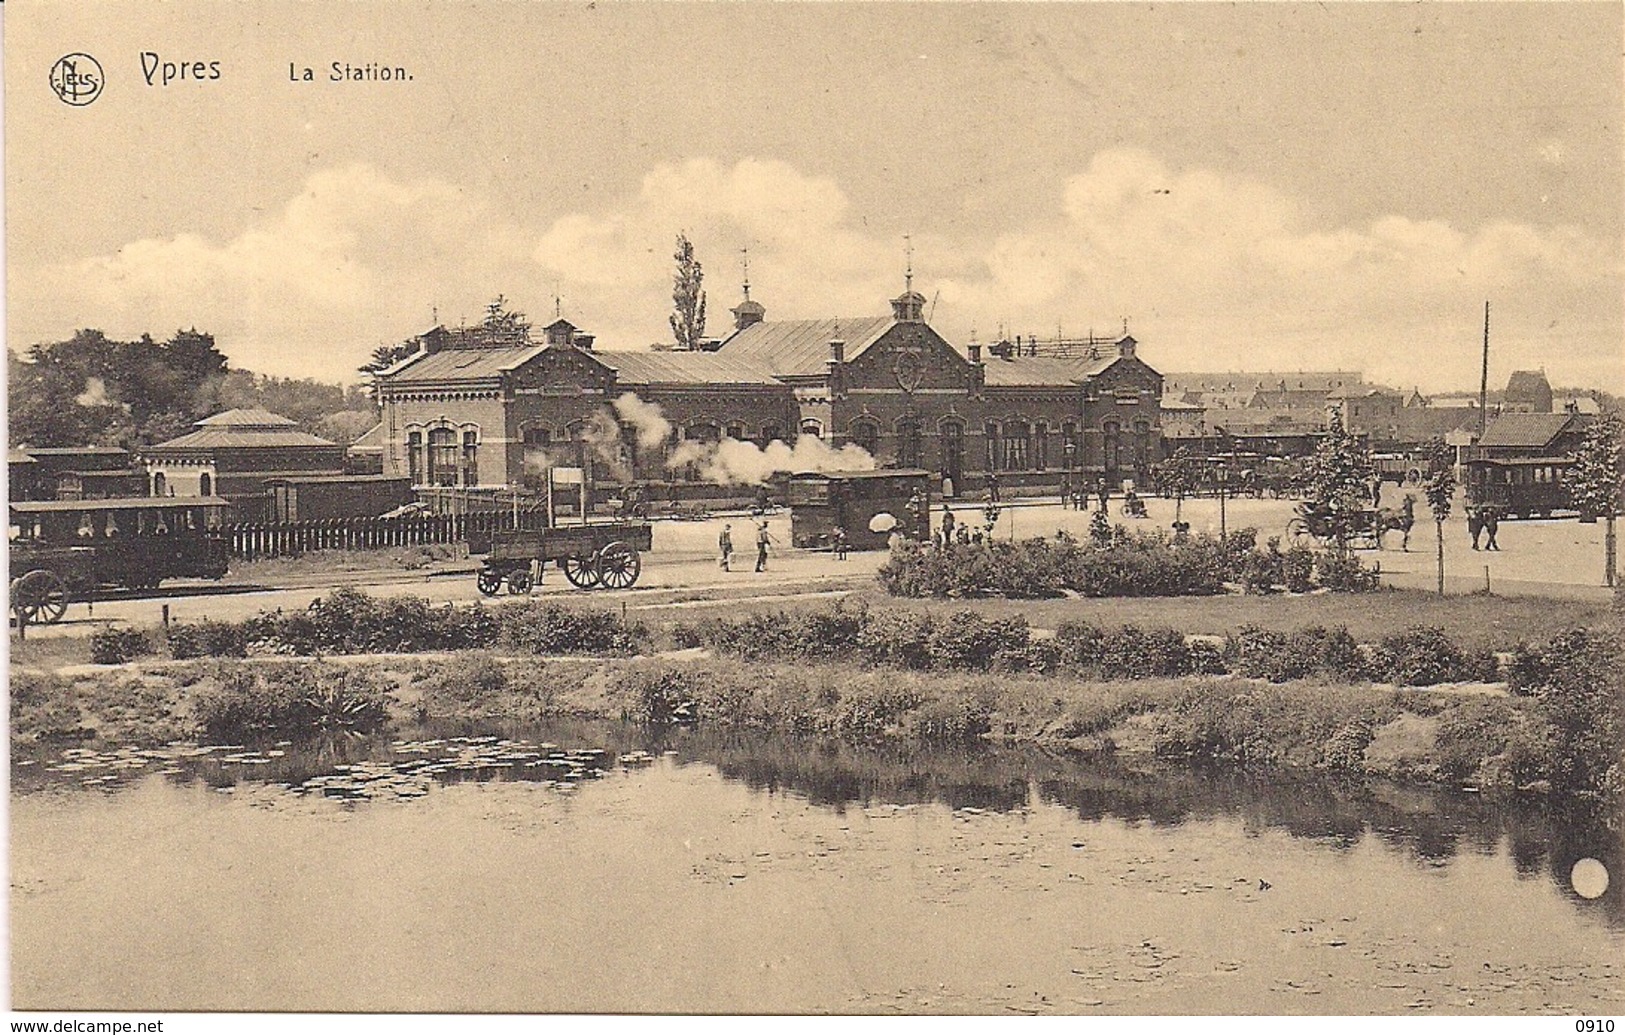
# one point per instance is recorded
(619, 565)
(1298, 534)
(489, 581)
(581, 571)
(39, 597)
(519, 582)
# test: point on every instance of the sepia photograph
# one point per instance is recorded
(893, 509)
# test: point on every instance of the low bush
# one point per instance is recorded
(246, 703)
(348, 621)
(1130, 652)
(1581, 695)
(1422, 655)
(118, 646)
(1298, 569)
(207, 639)
(1344, 573)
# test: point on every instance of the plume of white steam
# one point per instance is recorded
(95, 394)
(734, 462)
(603, 437)
(653, 429)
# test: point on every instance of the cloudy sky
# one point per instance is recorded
(1251, 187)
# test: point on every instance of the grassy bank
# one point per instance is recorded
(1564, 737)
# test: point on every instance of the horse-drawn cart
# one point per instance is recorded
(1360, 529)
(590, 555)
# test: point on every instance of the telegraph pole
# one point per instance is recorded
(1484, 377)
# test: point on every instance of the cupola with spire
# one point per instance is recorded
(747, 312)
(909, 307)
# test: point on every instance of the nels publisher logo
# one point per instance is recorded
(77, 79)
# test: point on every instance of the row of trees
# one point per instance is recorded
(95, 390)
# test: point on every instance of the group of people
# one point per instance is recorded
(725, 546)
(1076, 497)
(1484, 520)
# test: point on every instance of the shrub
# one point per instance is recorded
(1582, 698)
(655, 694)
(1298, 569)
(290, 700)
(1422, 655)
(1077, 645)
(1133, 653)
(534, 627)
(1275, 656)
(1345, 573)
(898, 638)
(966, 640)
(118, 646)
(208, 639)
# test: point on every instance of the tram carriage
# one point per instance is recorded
(821, 501)
(65, 550)
(1520, 487)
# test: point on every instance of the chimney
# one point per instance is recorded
(837, 350)
(975, 352)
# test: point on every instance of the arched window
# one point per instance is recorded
(813, 428)
(736, 431)
(953, 452)
(470, 473)
(414, 456)
(159, 484)
(770, 433)
(909, 447)
(1040, 446)
(1111, 434)
(1017, 446)
(205, 484)
(1069, 445)
(443, 456)
(1142, 443)
(866, 436)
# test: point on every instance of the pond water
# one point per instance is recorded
(584, 867)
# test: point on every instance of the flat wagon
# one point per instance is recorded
(592, 555)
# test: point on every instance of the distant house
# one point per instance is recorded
(1368, 410)
(73, 473)
(233, 454)
(1527, 391)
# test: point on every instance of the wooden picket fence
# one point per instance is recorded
(257, 540)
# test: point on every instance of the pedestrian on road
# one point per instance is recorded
(1103, 493)
(947, 524)
(1475, 524)
(1492, 522)
(1376, 492)
(838, 537)
(993, 486)
(725, 543)
(762, 539)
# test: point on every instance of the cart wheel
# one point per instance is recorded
(489, 581)
(519, 582)
(40, 597)
(1297, 532)
(619, 565)
(581, 571)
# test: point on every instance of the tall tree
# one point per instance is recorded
(1440, 489)
(688, 300)
(1340, 476)
(1597, 488)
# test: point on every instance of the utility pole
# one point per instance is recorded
(1484, 377)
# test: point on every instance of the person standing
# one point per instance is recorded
(1102, 493)
(948, 523)
(762, 539)
(993, 486)
(1475, 523)
(1492, 522)
(725, 543)
(838, 540)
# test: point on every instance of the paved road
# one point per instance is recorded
(1548, 558)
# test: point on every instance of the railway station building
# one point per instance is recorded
(466, 410)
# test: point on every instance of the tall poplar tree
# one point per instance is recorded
(1597, 481)
(687, 297)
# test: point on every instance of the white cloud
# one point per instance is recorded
(1213, 269)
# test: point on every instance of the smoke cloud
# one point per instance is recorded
(734, 462)
(95, 394)
(653, 429)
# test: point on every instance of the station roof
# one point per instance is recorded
(460, 364)
(688, 368)
(791, 347)
(246, 418)
(242, 438)
(134, 503)
(1527, 430)
(1042, 371)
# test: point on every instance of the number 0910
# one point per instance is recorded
(1593, 1026)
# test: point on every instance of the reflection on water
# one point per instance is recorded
(1431, 827)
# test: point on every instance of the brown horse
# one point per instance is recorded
(1400, 520)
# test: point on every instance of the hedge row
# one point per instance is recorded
(965, 641)
(1122, 564)
(348, 621)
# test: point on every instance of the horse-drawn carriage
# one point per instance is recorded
(1362, 529)
(66, 550)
